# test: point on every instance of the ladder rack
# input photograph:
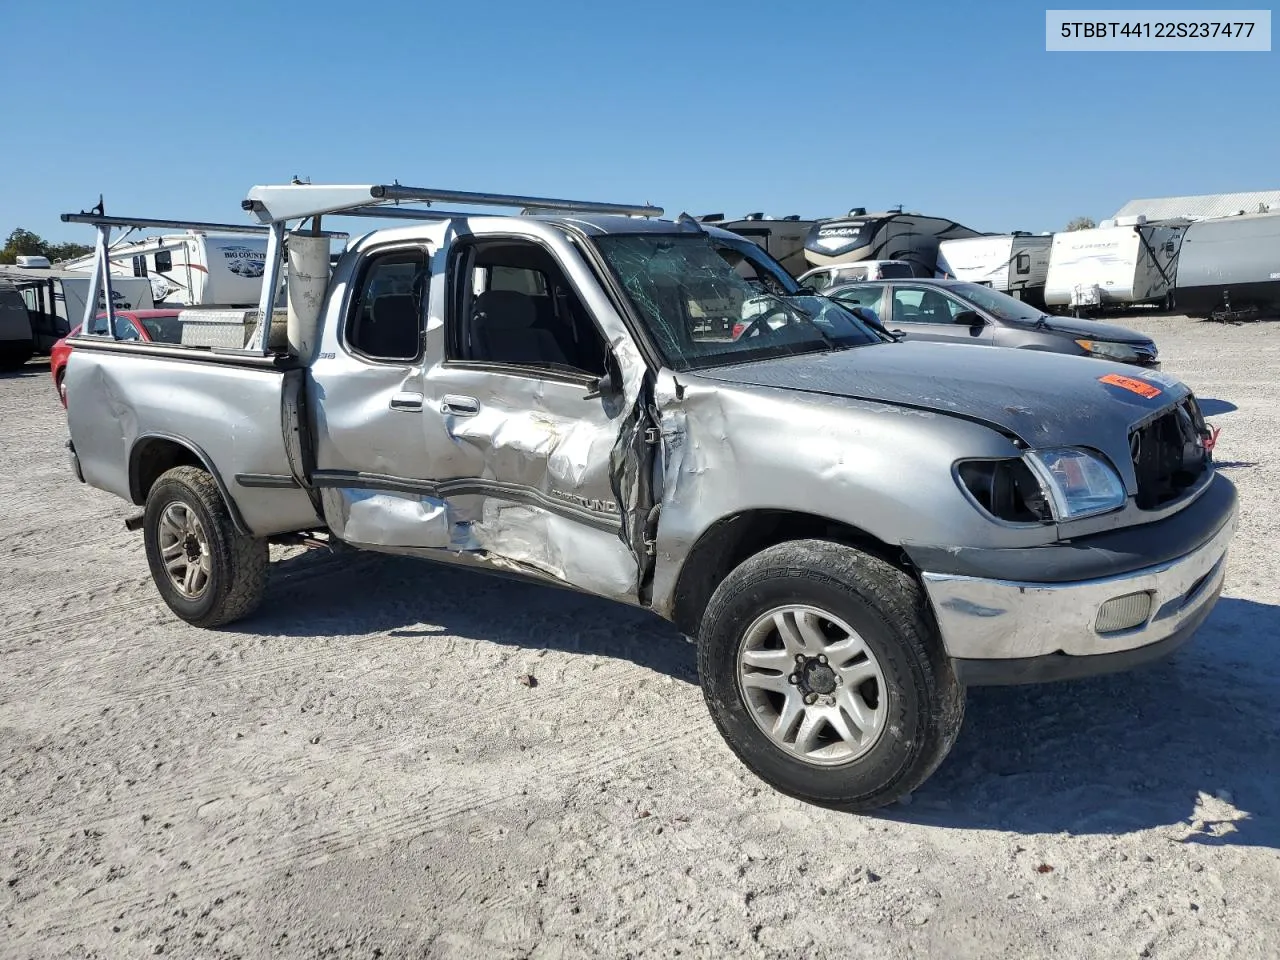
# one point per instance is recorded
(300, 201)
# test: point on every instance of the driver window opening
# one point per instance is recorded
(386, 317)
(515, 306)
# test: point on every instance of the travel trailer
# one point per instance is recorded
(17, 340)
(50, 301)
(1229, 268)
(193, 268)
(1013, 263)
(891, 235)
(1119, 263)
(783, 238)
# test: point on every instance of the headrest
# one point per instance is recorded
(506, 309)
(395, 308)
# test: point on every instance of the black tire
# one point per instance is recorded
(925, 702)
(14, 355)
(237, 577)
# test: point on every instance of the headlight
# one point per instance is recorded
(1108, 350)
(1043, 486)
(1079, 483)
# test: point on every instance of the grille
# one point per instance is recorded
(1169, 454)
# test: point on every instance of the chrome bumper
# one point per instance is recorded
(984, 619)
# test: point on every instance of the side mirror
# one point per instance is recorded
(600, 387)
(969, 318)
(608, 385)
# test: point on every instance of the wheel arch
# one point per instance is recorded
(732, 539)
(155, 453)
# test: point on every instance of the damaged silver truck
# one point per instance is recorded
(851, 528)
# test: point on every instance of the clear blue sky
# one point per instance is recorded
(949, 108)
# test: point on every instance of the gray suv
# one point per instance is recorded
(956, 311)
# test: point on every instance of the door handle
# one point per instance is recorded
(460, 406)
(406, 401)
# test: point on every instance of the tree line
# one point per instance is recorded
(24, 243)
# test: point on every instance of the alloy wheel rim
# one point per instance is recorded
(812, 685)
(184, 550)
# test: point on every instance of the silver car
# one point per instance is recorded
(956, 311)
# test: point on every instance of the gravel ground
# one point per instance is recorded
(358, 771)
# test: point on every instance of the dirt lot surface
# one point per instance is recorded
(358, 771)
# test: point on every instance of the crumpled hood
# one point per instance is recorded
(1090, 329)
(1045, 399)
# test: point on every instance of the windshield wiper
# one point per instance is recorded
(1042, 322)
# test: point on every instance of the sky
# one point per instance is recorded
(951, 109)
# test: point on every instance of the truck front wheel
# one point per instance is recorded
(206, 571)
(824, 674)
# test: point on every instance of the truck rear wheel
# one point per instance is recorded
(823, 672)
(206, 571)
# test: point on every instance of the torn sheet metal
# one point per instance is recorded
(730, 449)
(529, 538)
(379, 518)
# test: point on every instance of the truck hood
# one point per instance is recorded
(1044, 399)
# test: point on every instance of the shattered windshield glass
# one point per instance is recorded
(705, 304)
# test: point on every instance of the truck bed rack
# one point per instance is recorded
(275, 206)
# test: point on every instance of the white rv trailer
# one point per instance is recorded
(1014, 263)
(194, 268)
(1119, 263)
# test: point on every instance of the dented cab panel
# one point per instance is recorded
(494, 464)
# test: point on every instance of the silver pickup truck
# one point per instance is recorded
(852, 529)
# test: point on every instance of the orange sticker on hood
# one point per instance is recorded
(1141, 387)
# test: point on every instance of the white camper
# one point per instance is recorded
(1119, 263)
(193, 268)
(55, 299)
(1013, 263)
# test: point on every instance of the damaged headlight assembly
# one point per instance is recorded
(1109, 350)
(1044, 486)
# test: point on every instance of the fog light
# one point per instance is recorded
(1123, 613)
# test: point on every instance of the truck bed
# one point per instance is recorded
(130, 406)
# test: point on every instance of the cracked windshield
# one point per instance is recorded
(707, 304)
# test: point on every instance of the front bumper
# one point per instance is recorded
(1008, 631)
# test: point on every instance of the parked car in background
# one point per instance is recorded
(823, 278)
(955, 311)
(158, 326)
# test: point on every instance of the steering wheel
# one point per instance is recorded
(760, 325)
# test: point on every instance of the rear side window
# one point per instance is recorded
(869, 296)
(895, 271)
(385, 321)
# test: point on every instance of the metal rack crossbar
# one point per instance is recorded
(100, 278)
(300, 201)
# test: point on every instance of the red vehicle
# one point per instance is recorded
(160, 326)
